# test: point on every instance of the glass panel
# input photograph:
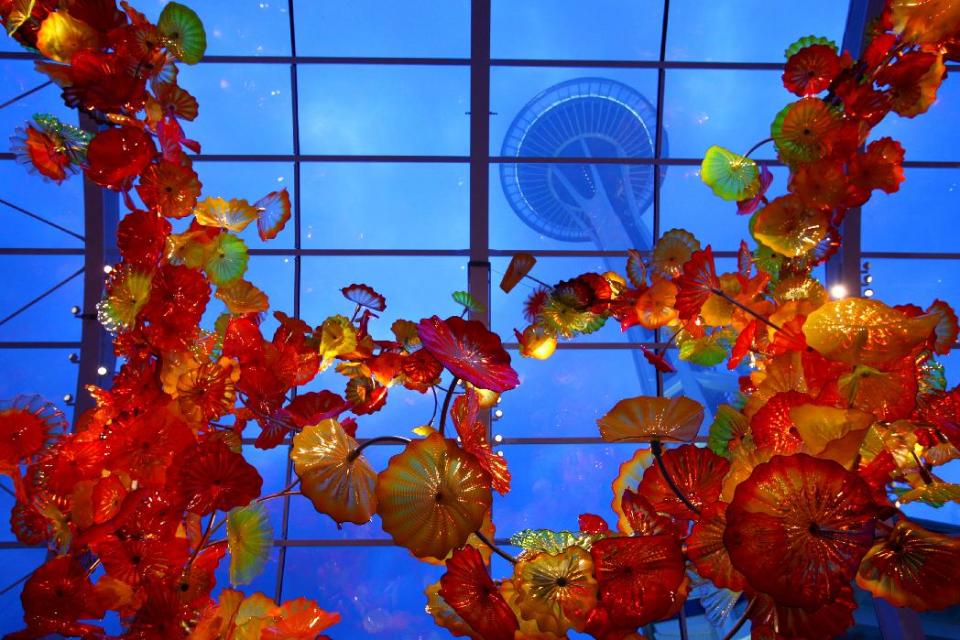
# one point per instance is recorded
(423, 289)
(507, 309)
(6, 505)
(932, 135)
(50, 318)
(413, 287)
(244, 109)
(306, 523)
(415, 28)
(571, 29)
(921, 216)
(274, 276)
(710, 386)
(405, 409)
(385, 206)
(951, 365)
(545, 477)
(753, 31)
(47, 372)
(732, 109)
(547, 112)
(950, 512)
(687, 203)
(252, 181)
(367, 109)
(566, 394)
(16, 564)
(571, 207)
(389, 607)
(238, 27)
(917, 282)
(17, 76)
(271, 464)
(61, 204)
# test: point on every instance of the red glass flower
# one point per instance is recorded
(470, 351)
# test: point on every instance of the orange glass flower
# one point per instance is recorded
(672, 251)
(646, 418)
(789, 227)
(697, 472)
(432, 496)
(338, 482)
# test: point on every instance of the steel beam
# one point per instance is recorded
(843, 269)
(101, 215)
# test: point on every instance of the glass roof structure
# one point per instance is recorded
(424, 143)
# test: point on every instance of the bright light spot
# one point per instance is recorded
(868, 279)
(279, 178)
(107, 268)
(500, 453)
(838, 291)
(101, 370)
(868, 293)
(498, 413)
(224, 83)
(498, 438)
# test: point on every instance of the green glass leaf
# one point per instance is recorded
(467, 301)
(249, 538)
(552, 542)
(730, 175)
(807, 41)
(936, 494)
(728, 423)
(227, 260)
(767, 260)
(707, 351)
(564, 320)
(128, 293)
(184, 33)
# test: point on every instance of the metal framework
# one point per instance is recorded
(102, 212)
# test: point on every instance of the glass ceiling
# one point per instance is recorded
(363, 111)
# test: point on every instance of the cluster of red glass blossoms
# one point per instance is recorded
(843, 415)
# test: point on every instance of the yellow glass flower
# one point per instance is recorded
(337, 337)
(672, 251)
(557, 591)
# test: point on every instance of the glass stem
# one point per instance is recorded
(757, 146)
(353, 455)
(742, 621)
(657, 448)
(762, 318)
(446, 404)
(497, 550)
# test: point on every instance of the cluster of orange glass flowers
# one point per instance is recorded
(843, 416)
